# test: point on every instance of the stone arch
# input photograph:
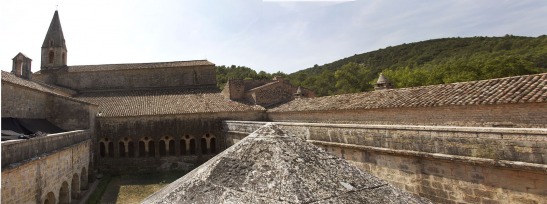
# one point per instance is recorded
(121, 148)
(83, 179)
(167, 146)
(106, 147)
(147, 144)
(188, 145)
(151, 148)
(19, 67)
(111, 149)
(75, 187)
(213, 145)
(102, 149)
(125, 147)
(171, 147)
(206, 143)
(51, 56)
(142, 148)
(50, 198)
(130, 149)
(64, 197)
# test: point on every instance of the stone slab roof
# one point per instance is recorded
(169, 101)
(152, 65)
(264, 86)
(269, 166)
(39, 86)
(518, 89)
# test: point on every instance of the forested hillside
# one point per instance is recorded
(416, 64)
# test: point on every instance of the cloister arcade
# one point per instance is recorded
(165, 146)
(69, 192)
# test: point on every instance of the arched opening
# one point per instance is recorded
(111, 149)
(151, 149)
(203, 145)
(102, 149)
(75, 187)
(213, 145)
(51, 56)
(83, 179)
(172, 147)
(50, 198)
(121, 149)
(131, 148)
(64, 58)
(142, 149)
(18, 68)
(63, 194)
(192, 146)
(162, 148)
(183, 148)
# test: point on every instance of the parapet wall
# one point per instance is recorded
(16, 151)
(444, 164)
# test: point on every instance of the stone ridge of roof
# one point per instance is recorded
(41, 87)
(170, 101)
(265, 85)
(517, 89)
(129, 66)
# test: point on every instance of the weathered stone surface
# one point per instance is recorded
(440, 175)
(269, 166)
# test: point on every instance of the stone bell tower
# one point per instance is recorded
(54, 51)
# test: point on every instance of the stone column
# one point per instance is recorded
(157, 153)
(177, 146)
(136, 148)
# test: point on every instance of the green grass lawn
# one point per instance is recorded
(135, 188)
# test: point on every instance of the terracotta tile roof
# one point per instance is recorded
(164, 102)
(519, 89)
(110, 67)
(36, 85)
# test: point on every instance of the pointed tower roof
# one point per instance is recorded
(382, 79)
(55, 33)
(269, 166)
(20, 53)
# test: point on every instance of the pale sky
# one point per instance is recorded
(265, 35)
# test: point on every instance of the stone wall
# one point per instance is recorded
(271, 94)
(58, 171)
(71, 115)
(445, 164)
(68, 114)
(138, 78)
(508, 115)
(166, 141)
(20, 102)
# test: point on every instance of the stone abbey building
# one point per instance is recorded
(470, 142)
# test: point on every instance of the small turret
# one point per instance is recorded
(22, 66)
(298, 93)
(383, 83)
(54, 52)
